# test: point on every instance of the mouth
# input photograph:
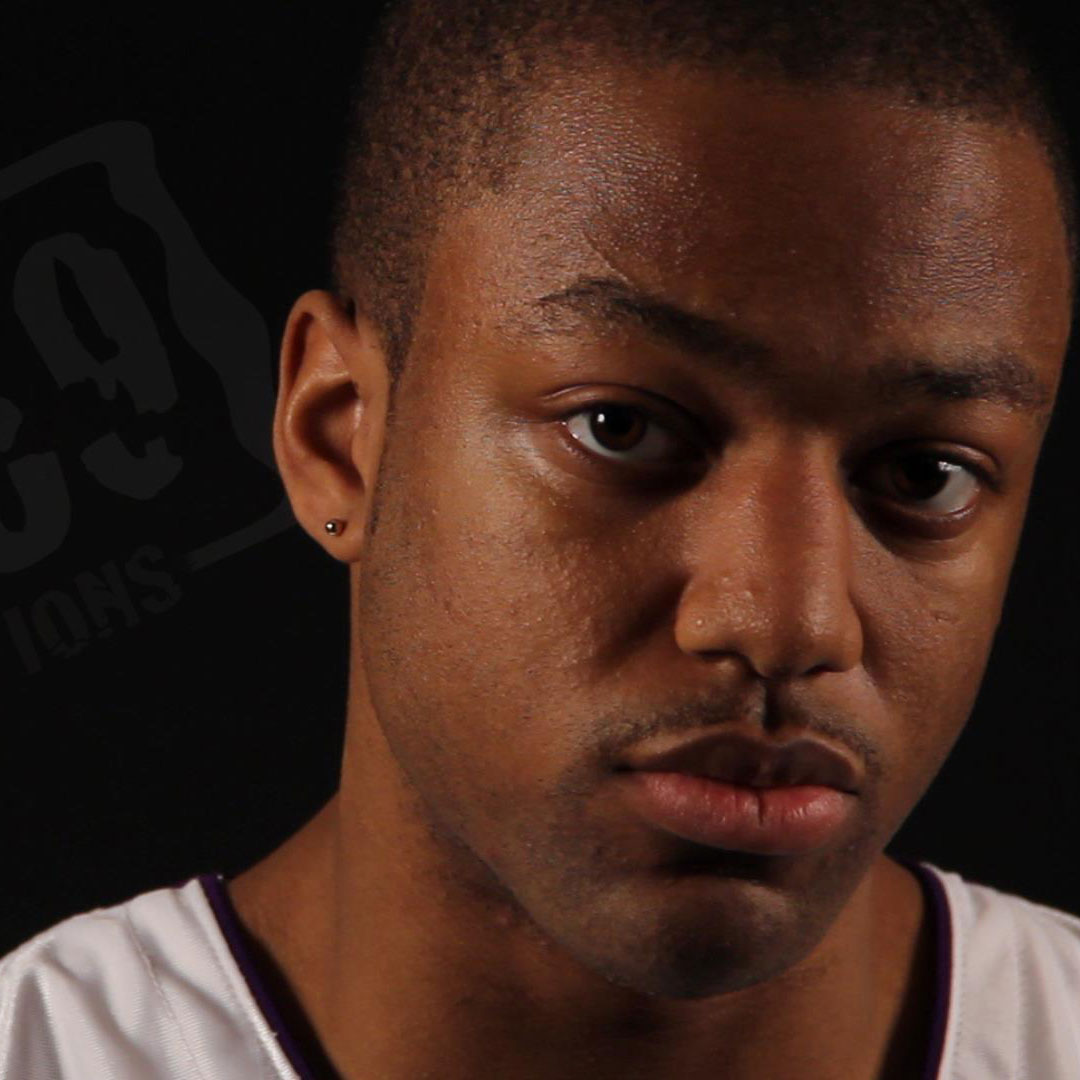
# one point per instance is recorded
(740, 793)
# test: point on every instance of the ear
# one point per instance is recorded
(330, 419)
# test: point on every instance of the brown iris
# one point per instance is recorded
(617, 427)
(922, 476)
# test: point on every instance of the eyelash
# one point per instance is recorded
(978, 474)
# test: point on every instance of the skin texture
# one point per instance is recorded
(535, 602)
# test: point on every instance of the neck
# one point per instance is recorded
(399, 969)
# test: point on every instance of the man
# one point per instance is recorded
(676, 412)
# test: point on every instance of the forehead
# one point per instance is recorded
(824, 217)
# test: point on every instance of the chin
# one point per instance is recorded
(697, 936)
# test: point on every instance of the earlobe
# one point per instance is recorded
(329, 419)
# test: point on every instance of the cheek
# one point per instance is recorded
(929, 631)
(478, 634)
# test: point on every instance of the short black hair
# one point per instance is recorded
(442, 86)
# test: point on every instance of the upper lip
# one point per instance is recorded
(744, 759)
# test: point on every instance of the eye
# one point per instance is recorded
(927, 481)
(625, 434)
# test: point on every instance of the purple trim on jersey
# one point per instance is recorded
(938, 905)
(233, 931)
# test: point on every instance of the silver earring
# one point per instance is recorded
(335, 526)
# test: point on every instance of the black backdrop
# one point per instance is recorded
(172, 646)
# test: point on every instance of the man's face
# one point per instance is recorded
(604, 526)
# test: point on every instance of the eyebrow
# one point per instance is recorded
(989, 373)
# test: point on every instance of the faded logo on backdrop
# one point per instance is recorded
(135, 402)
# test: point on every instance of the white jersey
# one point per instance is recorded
(163, 986)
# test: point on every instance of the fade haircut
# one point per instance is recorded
(437, 107)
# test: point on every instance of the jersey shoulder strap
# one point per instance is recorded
(1014, 985)
(148, 987)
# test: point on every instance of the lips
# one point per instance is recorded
(751, 762)
(740, 793)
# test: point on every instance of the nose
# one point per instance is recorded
(772, 566)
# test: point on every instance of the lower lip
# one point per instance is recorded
(762, 821)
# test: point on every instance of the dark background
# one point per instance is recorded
(171, 705)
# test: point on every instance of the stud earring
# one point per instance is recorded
(335, 526)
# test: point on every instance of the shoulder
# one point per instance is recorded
(143, 988)
(1000, 928)
(1014, 977)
